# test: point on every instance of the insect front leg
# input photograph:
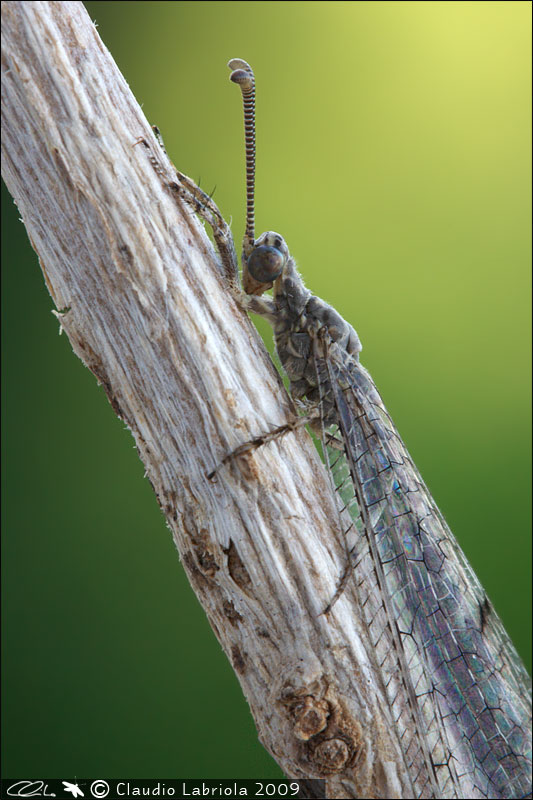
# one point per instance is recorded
(186, 189)
(206, 208)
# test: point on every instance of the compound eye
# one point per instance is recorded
(265, 263)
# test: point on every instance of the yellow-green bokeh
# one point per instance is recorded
(393, 155)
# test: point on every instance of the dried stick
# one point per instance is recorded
(145, 304)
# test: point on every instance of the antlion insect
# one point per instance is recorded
(450, 672)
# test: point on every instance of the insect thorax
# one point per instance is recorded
(304, 326)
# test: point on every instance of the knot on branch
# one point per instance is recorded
(311, 718)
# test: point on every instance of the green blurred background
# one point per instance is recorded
(393, 155)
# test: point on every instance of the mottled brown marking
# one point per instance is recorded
(311, 718)
(126, 255)
(236, 568)
(231, 613)
(207, 562)
(248, 464)
(332, 755)
(196, 577)
(330, 740)
(238, 660)
(229, 397)
(201, 544)
(115, 405)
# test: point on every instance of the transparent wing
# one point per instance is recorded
(456, 686)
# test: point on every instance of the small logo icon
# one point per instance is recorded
(74, 788)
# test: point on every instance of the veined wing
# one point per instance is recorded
(462, 702)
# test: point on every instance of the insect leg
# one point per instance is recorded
(204, 206)
(207, 209)
(266, 438)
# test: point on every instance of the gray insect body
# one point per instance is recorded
(457, 691)
(301, 321)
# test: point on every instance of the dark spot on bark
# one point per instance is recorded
(126, 254)
(238, 660)
(331, 755)
(206, 562)
(311, 718)
(236, 568)
(197, 579)
(231, 613)
(112, 399)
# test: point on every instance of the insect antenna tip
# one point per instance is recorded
(242, 73)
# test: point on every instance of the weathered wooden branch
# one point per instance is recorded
(143, 300)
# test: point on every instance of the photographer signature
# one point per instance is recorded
(29, 789)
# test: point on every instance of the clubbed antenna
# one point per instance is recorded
(243, 75)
